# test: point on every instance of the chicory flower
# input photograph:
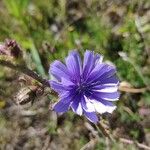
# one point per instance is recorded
(87, 88)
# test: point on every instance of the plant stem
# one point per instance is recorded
(102, 130)
(26, 71)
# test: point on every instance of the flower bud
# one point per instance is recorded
(10, 48)
(15, 50)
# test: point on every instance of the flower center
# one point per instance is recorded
(83, 88)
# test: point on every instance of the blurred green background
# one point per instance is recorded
(46, 30)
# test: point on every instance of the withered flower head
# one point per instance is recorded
(14, 48)
(28, 94)
(10, 48)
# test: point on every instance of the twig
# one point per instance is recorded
(123, 140)
(26, 71)
(91, 129)
(126, 141)
(46, 144)
(100, 129)
(90, 144)
(132, 90)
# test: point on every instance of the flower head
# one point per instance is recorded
(10, 48)
(88, 88)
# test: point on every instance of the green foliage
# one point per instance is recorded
(16, 7)
(146, 97)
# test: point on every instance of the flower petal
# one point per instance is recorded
(113, 80)
(76, 107)
(88, 63)
(67, 96)
(66, 82)
(106, 96)
(101, 72)
(75, 53)
(98, 70)
(58, 87)
(103, 106)
(91, 116)
(74, 65)
(98, 59)
(61, 107)
(59, 70)
(87, 105)
(104, 88)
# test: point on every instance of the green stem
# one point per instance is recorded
(36, 59)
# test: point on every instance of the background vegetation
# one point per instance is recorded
(46, 30)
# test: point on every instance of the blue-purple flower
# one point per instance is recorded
(87, 88)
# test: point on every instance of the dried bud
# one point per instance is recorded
(14, 48)
(25, 80)
(10, 48)
(25, 95)
(39, 91)
(3, 50)
(28, 94)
